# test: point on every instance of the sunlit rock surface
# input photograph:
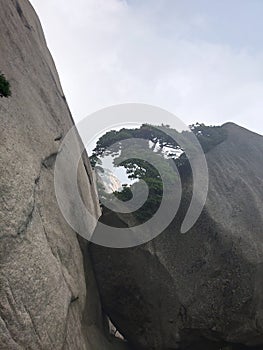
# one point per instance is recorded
(48, 296)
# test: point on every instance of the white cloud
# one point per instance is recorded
(108, 52)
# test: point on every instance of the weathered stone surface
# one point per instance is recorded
(203, 289)
(47, 300)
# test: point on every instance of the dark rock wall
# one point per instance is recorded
(202, 289)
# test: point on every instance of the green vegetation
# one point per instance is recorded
(158, 146)
(4, 86)
(126, 193)
(208, 136)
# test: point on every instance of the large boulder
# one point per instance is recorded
(202, 289)
(48, 296)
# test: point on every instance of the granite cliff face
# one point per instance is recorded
(108, 182)
(48, 294)
(198, 291)
(202, 289)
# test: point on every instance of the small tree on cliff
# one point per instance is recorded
(4, 86)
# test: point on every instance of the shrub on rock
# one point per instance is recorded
(4, 86)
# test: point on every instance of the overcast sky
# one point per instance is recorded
(200, 59)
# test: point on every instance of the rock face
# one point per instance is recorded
(203, 289)
(107, 180)
(48, 296)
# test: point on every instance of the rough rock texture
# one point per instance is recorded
(203, 289)
(48, 297)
